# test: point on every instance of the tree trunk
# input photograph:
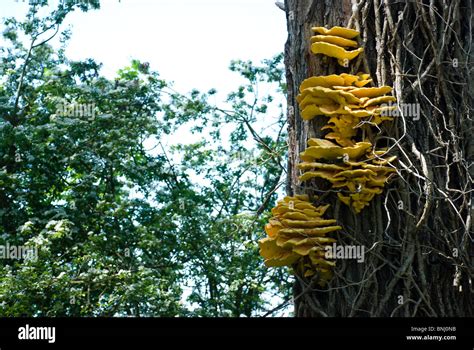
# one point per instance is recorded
(417, 234)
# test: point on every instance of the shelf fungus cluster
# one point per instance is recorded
(297, 235)
(336, 42)
(357, 171)
(344, 157)
(347, 102)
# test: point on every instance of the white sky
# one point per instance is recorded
(190, 42)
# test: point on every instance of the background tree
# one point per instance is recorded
(419, 259)
(126, 221)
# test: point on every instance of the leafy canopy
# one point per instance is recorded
(127, 218)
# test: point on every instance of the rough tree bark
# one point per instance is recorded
(417, 233)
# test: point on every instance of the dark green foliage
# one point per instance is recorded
(122, 227)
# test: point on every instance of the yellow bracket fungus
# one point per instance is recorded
(324, 81)
(338, 96)
(362, 176)
(337, 31)
(312, 100)
(297, 234)
(371, 91)
(345, 99)
(332, 42)
(329, 81)
(322, 174)
(378, 100)
(343, 129)
(335, 51)
(332, 151)
(336, 40)
(325, 166)
(363, 80)
(311, 111)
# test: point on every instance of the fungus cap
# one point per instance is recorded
(347, 33)
(335, 51)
